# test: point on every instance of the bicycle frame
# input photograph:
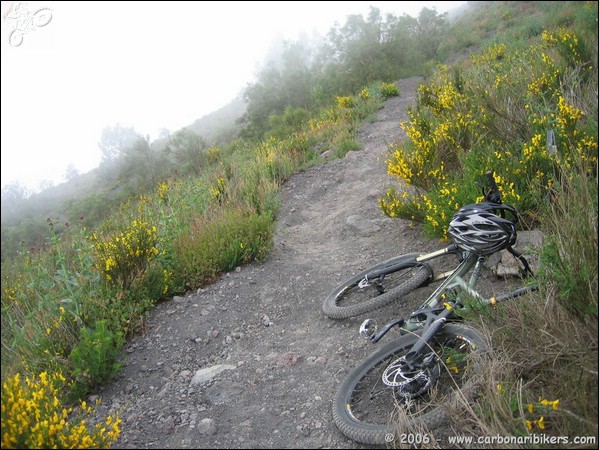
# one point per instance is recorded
(437, 309)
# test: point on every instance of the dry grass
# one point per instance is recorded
(540, 376)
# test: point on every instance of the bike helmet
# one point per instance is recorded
(479, 229)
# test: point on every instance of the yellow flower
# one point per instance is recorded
(541, 423)
(554, 404)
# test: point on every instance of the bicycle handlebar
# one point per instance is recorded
(493, 196)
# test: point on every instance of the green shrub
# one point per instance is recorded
(95, 357)
(389, 90)
(222, 242)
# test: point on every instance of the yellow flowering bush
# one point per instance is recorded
(163, 189)
(345, 102)
(506, 111)
(33, 416)
(213, 154)
(217, 190)
(124, 257)
(527, 416)
(566, 42)
(536, 421)
(389, 90)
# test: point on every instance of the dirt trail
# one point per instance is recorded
(262, 325)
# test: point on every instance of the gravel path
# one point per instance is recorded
(270, 360)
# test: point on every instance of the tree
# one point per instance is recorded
(285, 81)
(13, 195)
(45, 185)
(164, 133)
(188, 148)
(71, 172)
(366, 50)
(115, 141)
(429, 34)
(141, 165)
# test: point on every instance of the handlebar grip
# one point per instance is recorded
(493, 195)
(491, 179)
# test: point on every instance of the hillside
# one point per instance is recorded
(94, 193)
(263, 321)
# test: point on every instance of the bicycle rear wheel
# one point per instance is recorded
(377, 286)
(371, 394)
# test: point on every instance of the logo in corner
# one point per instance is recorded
(22, 20)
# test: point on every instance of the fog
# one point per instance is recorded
(70, 69)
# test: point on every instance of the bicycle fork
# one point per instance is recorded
(423, 342)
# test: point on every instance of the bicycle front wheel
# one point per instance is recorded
(377, 286)
(366, 405)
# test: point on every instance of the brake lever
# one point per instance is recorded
(482, 188)
(370, 331)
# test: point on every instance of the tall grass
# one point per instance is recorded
(542, 376)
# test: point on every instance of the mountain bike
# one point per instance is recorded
(393, 279)
(427, 366)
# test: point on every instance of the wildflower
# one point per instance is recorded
(554, 404)
(541, 423)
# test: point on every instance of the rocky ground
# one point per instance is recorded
(251, 361)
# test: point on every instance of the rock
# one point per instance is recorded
(360, 225)
(168, 372)
(266, 321)
(222, 392)
(289, 359)
(505, 265)
(168, 425)
(207, 427)
(204, 375)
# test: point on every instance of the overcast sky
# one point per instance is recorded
(76, 67)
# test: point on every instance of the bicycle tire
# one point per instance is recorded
(351, 420)
(335, 306)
